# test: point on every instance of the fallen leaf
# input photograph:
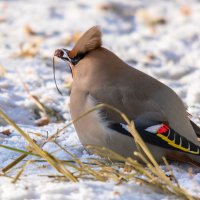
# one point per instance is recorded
(186, 10)
(42, 121)
(149, 18)
(116, 193)
(2, 71)
(117, 8)
(109, 7)
(2, 19)
(150, 57)
(29, 49)
(29, 31)
(6, 132)
(72, 38)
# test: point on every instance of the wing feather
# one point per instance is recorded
(161, 135)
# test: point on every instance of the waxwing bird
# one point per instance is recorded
(99, 76)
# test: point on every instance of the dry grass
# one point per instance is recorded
(111, 167)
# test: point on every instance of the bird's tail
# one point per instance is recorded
(183, 159)
(196, 129)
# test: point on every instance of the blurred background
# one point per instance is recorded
(161, 38)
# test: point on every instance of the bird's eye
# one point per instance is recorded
(64, 54)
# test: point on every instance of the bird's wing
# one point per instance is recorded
(168, 124)
(174, 110)
(159, 134)
(136, 93)
(161, 99)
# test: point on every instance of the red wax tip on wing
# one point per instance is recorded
(163, 129)
(58, 53)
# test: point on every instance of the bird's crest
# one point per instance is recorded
(89, 41)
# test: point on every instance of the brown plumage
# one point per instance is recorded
(102, 77)
(90, 40)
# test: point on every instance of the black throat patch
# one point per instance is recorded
(77, 58)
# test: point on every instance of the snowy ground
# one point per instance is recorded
(161, 38)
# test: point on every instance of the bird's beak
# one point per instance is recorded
(62, 54)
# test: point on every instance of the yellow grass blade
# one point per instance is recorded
(50, 159)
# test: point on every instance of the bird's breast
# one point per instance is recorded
(91, 129)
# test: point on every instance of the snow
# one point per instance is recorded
(169, 52)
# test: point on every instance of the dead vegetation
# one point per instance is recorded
(43, 113)
(2, 71)
(111, 167)
(121, 170)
